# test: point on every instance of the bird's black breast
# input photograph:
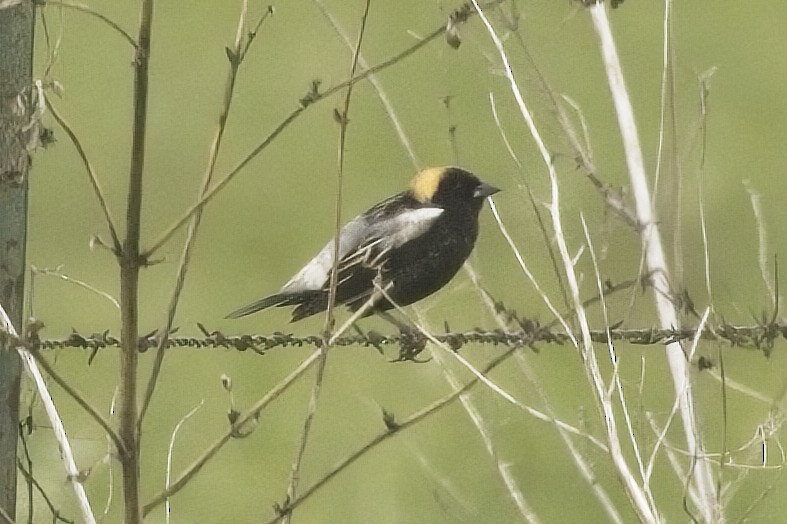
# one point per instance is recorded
(425, 264)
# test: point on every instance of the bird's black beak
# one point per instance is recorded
(484, 190)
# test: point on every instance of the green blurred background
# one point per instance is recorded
(279, 211)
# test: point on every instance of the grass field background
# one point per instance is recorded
(279, 211)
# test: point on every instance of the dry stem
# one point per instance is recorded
(656, 262)
(317, 386)
(130, 263)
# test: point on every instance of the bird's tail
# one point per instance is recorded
(279, 299)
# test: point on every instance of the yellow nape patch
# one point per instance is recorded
(424, 185)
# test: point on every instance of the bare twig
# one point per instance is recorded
(250, 414)
(492, 385)
(108, 460)
(704, 84)
(6, 517)
(615, 381)
(374, 80)
(171, 448)
(762, 239)
(58, 273)
(92, 12)
(518, 255)
(311, 410)
(724, 428)
(527, 512)
(236, 56)
(28, 474)
(655, 259)
(639, 500)
(33, 483)
(284, 124)
(80, 399)
(91, 173)
(243, 418)
(583, 465)
(7, 327)
(343, 121)
(582, 152)
(393, 427)
(704, 89)
(533, 204)
(292, 488)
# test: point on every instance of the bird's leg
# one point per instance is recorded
(411, 340)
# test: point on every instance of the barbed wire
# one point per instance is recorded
(527, 333)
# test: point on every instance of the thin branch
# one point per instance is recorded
(582, 152)
(526, 270)
(109, 463)
(343, 121)
(743, 389)
(56, 516)
(171, 448)
(28, 473)
(473, 411)
(52, 50)
(311, 410)
(704, 89)
(669, 451)
(7, 327)
(249, 415)
(90, 11)
(289, 119)
(666, 87)
(6, 517)
(637, 497)
(393, 428)
(536, 209)
(654, 255)
(91, 173)
(615, 380)
(80, 399)
(57, 273)
(243, 418)
(292, 488)
(490, 384)
(584, 467)
(236, 56)
(762, 239)
(724, 428)
(375, 81)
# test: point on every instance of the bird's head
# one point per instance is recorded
(450, 187)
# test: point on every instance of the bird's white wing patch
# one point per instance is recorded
(405, 226)
(392, 233)
(360, 235)
(314, 274)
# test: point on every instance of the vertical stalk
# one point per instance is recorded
(17, 136)
(701, 477)
(130, 263)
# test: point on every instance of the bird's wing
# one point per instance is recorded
(365, 240)
(386, 234)
(314, 274)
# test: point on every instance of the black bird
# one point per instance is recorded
(416, 241)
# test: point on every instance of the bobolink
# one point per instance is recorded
(415, 241)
